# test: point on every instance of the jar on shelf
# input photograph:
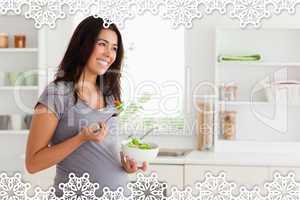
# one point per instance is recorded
(205, 124)
(4, 122)
(2, 79)
(20, 41)
(14, 78)
(228, 93)
(27, 121)
(228, 125)
(30, 79)
(3, 40)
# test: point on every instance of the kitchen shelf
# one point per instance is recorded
(16, 50)
(19, 100)
(258, 63)
(260, 125)
(248, 103)
(14, 132)
(256, 146)
(12, 88)
(245, 103)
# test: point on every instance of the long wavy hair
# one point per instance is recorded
(80, 49)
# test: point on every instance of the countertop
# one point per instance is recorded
(236, 159)
(231, 159)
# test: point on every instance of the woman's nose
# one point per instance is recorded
(108, 52)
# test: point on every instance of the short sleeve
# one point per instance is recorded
(53, 98)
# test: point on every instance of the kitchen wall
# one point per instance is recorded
(199, 53)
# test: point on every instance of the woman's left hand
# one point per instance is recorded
(130, 166)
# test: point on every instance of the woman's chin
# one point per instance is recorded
(101, 72)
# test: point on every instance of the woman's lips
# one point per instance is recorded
(103, 63)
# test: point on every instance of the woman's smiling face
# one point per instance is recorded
(104, 53)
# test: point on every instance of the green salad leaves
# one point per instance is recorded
(136, 143)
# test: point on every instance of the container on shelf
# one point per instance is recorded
(5, 122)
(20, 41)
(14, 78)
(16, 121)
(2, 79)
(205, 125)
(283, 92)
(27, 121)
(31, 79)
(3, 40)
(228, 125)
(228, 92)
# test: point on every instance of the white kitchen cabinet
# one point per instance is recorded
(188, 175)
(241, 175)
(173, 175)
(44, 179)
(284, 171)
(17, 101)
(261, 125)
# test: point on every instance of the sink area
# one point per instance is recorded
(173, 152)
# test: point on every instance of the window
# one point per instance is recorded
(153, 75)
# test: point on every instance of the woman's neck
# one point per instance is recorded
(87, 80)
(88, 91)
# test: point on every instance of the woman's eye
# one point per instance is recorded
(115, 49)
(101, 43)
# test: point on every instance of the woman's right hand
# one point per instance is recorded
(88, 134)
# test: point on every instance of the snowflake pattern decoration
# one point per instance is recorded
(12, 188)
(215, 187)
(179, 12)
(250, 12)
(147, 188)
(218, 5)
(151, 188)
(79, 187)
(185, 194)
(44, 195)
(246, 194)
(45, 12)
(10, 5)
(113, 195)
(79, 6)
(148, 5)
(283, 187)
(114, 11)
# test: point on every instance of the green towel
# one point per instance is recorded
(254, 57)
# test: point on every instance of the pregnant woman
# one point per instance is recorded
(85, 88)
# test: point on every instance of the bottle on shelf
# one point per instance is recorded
(17, 78)
(3, 40)
(20, 41)
(228, 125)
(4, 122)
(15, 122)
(205, 124)
(228, 92)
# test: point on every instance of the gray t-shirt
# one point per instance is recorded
(101, 161)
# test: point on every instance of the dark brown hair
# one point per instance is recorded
(80, 49)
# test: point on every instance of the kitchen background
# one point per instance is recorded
(262, 136)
